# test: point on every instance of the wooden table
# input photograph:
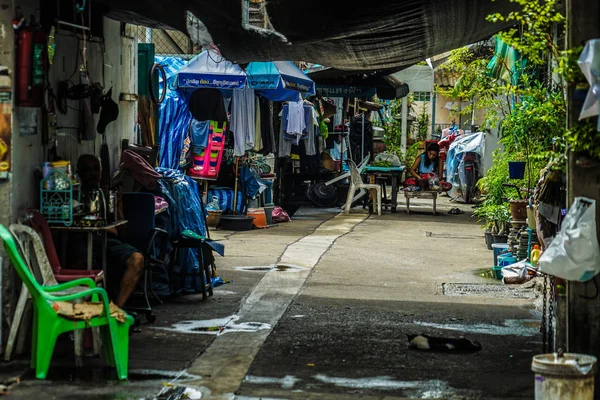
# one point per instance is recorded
(394, 174)
(420, 194)
(90, 230)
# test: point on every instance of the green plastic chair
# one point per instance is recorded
(48, 325)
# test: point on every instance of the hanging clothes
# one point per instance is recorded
(313, 131)
(266, 126)
(295, 119)
(207, 104)
(242, 120)
(257, 128)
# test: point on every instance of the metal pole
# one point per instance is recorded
(404, 124)
(362, 147)
(433, 105)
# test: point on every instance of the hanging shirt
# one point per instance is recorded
(295, 119)
(424, 169)
(243, 120)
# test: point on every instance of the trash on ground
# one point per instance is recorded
(441, 344)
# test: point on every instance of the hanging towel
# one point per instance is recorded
(258, 143)
(296, 119)
(242, 120)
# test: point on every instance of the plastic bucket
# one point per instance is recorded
(516, 169)
(497, 272)
(269, 214)
(568, 377)
(498, 249)
(260, 219)
(506, 260)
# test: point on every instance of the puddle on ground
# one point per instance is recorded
(287, 382)
(217, 326)
(430, 389)
(485, 273)
(224, 292)
(276, 267)
(488, 290)
(511, 327)
(256, 268)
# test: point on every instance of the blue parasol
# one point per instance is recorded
(279, 80)
(210, 70)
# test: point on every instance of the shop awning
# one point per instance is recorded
(210, 70)
(279, 80)
(378, 35)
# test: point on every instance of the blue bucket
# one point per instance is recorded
(516, 169)
(499, 248)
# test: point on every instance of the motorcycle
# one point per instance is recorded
(465, 165)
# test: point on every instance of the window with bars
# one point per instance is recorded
(422, 96)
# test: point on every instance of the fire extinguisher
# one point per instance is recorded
(32, 62)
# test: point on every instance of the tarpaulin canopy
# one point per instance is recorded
(279, 80)
(210, 70)
(378, 35)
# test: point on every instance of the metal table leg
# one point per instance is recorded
(104, 251)
(90, 239)
(395, 186)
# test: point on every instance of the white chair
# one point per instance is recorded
(28, 239)
(356, 183)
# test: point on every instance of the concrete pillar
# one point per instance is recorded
(404, 124)
(582, 313)
(6, 60)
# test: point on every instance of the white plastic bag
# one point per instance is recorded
(574, 253)
(392, 158)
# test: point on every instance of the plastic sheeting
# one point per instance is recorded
(174, 116)
(186, 212)
(455, 171)
(382, 34)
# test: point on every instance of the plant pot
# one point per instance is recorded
(500, 238)
(518, 209)
(516, 169)
(236, 222)
(489, 239)
(213, 219)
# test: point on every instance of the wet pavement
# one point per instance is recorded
(320, 309)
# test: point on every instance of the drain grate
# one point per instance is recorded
(487, 290)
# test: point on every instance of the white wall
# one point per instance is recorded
(116, 67)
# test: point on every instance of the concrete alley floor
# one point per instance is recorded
(329, 321)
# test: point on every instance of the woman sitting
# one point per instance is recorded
(428, 166)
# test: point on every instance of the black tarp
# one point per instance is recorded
(374, 35)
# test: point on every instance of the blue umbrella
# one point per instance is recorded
(279, 80)
(210, 70)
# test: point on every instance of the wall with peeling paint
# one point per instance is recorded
(112, 65)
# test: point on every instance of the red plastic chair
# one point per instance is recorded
(40, 225)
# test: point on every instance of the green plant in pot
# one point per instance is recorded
(501, 223)
(485, 216)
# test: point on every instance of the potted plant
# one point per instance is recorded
(501, 221)
(483, 212)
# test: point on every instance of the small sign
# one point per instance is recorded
(345, 91)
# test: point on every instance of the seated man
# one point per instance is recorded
(124, 262)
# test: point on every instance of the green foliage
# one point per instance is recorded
(422, 124)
